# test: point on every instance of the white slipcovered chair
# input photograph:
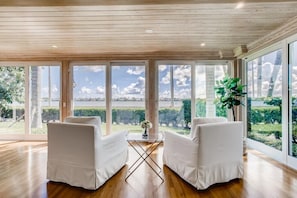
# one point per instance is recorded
(79, 156)
(211, 154)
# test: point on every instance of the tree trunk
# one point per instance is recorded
(36, 120)
(275, 71)
(259, 78)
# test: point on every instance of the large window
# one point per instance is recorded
(206, 76)
(113, 91)
(264, 108)
(30, 97)
(89, 95)
(128, 96)
(12, 100)
(175, 98)
(44, 97)
(293, 99)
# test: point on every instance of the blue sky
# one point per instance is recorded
(127, 81)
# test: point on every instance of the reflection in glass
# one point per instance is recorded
(293, 99)
(264, 76)
(206, 77)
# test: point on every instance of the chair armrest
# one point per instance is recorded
(180, 148)
(113, 145)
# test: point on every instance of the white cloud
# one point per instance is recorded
(135, 88)
(54, 91)
(165, 94)
(85, 90)
(137, 70)
(95, 68)
(100, 90)
(184, 93)
(181, 94)
(166, 79)
(115, 91)
(162, 67)
(182, 75)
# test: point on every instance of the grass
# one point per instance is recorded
(8, 127)
(269, 134)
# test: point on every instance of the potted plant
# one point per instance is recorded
(146, 124)
(230, 92)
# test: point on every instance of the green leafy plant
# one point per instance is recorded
(230, 92)
(12, 81)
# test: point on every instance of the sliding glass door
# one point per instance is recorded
(127, 96)
(88, 91)
(264, 99)
(44, 97)
(292, 137)
(12, 100)
(30, 97)
(206, 76)
(115, 91)
(175, 97)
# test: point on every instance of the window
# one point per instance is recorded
(264, 108)
(31, 92)
(175, 98)
(128, 96)
(293, 99)
(12, 96)
(89, 95)
(44, 97)
(205, 80)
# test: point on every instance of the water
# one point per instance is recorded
(114, 103)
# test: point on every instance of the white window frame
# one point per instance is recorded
(27, 64)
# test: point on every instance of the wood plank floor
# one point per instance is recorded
(23, 174)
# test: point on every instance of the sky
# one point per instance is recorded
(129, 81)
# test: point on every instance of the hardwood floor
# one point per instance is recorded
(23, 174)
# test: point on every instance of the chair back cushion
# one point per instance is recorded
(207, 120)
(95, 120)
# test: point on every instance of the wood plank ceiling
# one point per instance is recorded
(94, 28)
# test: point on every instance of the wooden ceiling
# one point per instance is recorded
(59, 29)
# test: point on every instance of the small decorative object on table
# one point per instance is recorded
(146, 124)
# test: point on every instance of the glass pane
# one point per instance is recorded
(206, 77)
(265, 99)
(44, 97)
(12, 100)
(175, 98)
(128, 97)
(89, 92)
(293, 99)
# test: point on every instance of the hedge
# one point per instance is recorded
(167, 116)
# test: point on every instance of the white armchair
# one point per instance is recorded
(79, 156)
(211, 154)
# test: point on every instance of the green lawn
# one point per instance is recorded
(269, 134)
(19, 128)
